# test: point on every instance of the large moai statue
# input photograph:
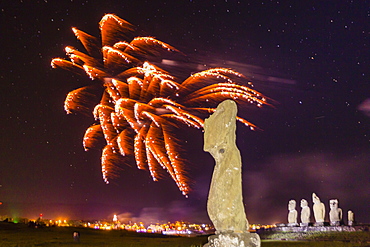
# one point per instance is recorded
(305, 213)
(293, 214)
(318, 210)
(335, 214)
(225, 201)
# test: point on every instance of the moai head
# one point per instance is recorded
(218, 128)
(291, 205)
(315, 198)
(304, 203)
(333, 203)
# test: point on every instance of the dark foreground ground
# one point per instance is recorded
(18, 235)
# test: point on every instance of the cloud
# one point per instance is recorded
(125, 217)
(185, 210)
(152, 215)
(365, 107)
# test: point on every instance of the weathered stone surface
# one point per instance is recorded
(293, 214)
(318, 210)
(305, 213)
(335, 214)
(234, 240)
(225, 201)
(316, 229)
(351, 218)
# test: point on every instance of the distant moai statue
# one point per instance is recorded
(293, 214)
(318, 210)
(305, 213)
(225, 201)
(351, 218)
(335, 214)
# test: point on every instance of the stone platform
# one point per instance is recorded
(231, 239)
(317, 228)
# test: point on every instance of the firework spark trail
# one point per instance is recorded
(157, 148)
(121, 87)
(182, 113)
(103, 113)
(141, 104)
(124, 141)
(92, 137)
(139, 148)
(90, 43)
(83, 97)
(112, 28)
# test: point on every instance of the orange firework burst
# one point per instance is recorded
(141, 104)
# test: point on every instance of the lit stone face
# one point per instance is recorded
(292, 215)
(318, 209)
(305, 212)
(335, 213)
(225, 202)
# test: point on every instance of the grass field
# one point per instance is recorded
(267, 243)
(18, 235)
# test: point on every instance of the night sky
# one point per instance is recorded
(310, 57)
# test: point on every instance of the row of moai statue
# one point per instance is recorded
(335, 214)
